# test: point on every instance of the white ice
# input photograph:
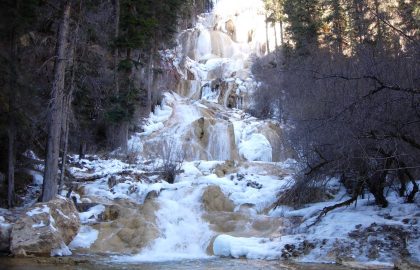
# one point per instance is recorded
(85, 238)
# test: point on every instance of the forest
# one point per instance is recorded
(346, 83)
(70, 76)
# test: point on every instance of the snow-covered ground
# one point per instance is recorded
(214, 62)
(231, 150)
(362, 233)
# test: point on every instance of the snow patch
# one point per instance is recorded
(85, 238)
(63, 250)
(92, 214)
(256, 148)
(39, 225)
(250, 248)
(38, 210)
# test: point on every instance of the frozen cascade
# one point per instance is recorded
(204, 44)
(183, 235)
(203, 120)
(220, 149)
(235, 166)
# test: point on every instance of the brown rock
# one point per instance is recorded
(44, 228)
(215, 200)
(222, 169)
(133, 228)
(111, 213)
(230, 28)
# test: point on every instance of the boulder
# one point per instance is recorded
(46, 229)
(215, 200)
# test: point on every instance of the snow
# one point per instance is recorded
(92, 214)
(85, 238)
(63, 250)
(39, 225)
(184, 233)
(39, 210)
(101, 167)
(250, 248)
(62, 214)
(204, 44)
(38, 178)
(256, 148)
(3, 223)
(157, 118)
(52, 223)
(252, 145)
(210, 95)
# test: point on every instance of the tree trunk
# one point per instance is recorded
(378, 25)
(266, 34)
(376, 185)
(281, 33)
(124, 136)
(66, 125)
(149, 81)
(11, 166)
(82, 148)
(67, 103)
(49, 188)
(337, 26)
(275, 35)
(116, 52)
(11, 130)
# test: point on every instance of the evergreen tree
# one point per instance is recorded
(16, 18)
(304, 23)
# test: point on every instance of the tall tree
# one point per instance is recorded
(275, 10)
(304, 23)
(50, 188)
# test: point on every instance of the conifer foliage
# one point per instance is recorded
(73, 75)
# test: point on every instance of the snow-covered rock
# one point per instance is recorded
(46, 229)
(251, 248)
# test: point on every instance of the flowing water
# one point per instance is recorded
(210, 264)
(204, 120)
(219, 206)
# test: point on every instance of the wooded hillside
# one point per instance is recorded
(346, 85)
(76, 75)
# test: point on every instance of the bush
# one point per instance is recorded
(302, 192)
(170, 160)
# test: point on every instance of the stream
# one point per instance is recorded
(89, 263)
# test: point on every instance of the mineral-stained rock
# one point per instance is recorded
(222, 169)
(128, 229)
(215, 200)
(45, 229)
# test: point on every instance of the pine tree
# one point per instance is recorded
(304, 23)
